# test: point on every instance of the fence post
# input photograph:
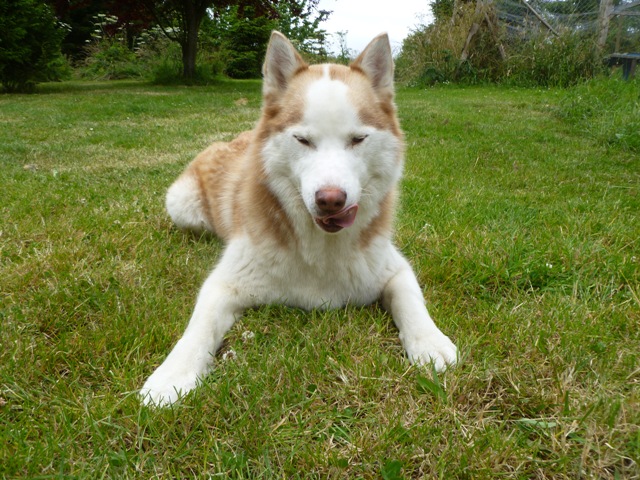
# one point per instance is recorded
(604, 16)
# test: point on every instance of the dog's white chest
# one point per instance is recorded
(330, 278)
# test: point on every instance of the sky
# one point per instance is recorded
(364, 19)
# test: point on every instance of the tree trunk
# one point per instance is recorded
(194, 12)
(189, 52)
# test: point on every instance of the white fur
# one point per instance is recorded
(184, 205)
(321, 270)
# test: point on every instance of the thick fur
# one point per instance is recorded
(328, 146)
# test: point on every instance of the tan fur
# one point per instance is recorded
(262, 194)
(233, 193)
(231, 177)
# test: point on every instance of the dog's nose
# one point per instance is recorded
(331, 200)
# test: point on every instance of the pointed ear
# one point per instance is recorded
(376, 62)
(280, 65)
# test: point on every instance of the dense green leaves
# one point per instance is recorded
(30, 40)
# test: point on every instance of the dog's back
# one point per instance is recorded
(203, 196)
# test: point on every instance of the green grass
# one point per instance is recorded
(607, 110)
(522, 227)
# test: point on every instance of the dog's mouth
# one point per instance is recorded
(335, 222)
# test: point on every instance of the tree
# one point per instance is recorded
(180, 21)
(242, 37)
(299, 21)
(81, 16)
(242, 32)
(30, 39)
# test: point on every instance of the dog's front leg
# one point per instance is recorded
(216, 310)
(421, 338)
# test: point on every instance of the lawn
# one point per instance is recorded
(522, 225)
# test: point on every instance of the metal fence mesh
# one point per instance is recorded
(618, 21)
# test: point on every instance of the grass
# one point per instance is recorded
(522, 227)
(607, 110)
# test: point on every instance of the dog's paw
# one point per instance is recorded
(435, 348)
(166, 386)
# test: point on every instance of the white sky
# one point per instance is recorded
(364, 19)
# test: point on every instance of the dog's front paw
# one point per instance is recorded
(166, 386)
(434, 348)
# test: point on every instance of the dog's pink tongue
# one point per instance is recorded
(344, 218)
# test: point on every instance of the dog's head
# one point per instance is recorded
(331, 139)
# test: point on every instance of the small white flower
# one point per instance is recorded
(549, 265)
(229, 355)
(248, 335)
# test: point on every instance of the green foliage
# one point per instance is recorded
(607, 109)
(232, 43)
(299, 21)
(154, 57)
(345, 54)
(108, 57)
(434, 53)
(110, 60)
(561, 61)
(30, 39)
(243, 40)
(442, 10)
(241, 35)
(164, 63)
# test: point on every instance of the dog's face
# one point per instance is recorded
(333, 140)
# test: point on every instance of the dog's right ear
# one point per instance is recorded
(376, 61)
(280, 65)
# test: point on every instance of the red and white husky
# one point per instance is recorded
(305, 204)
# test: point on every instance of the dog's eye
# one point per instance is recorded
(302, 140)
(357, 139)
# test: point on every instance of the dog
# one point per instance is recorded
(304, 203)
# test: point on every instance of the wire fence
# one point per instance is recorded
(538, 42)
(614, 24)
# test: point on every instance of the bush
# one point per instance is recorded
(30, 39)
(433, 54)
(163, 61)
(560, 61)
(154, 57)
(241, 41)
(107, 55)
(110, 59)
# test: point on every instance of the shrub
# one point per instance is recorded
(163, 63)
(434, 53)
(30, 39)
(154, 57)
(107, 55)
(241, 41)
(110, 60)
(561, 61)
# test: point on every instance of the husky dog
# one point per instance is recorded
(305, 205)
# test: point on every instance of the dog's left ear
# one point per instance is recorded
(376, 62)
(280, 65)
